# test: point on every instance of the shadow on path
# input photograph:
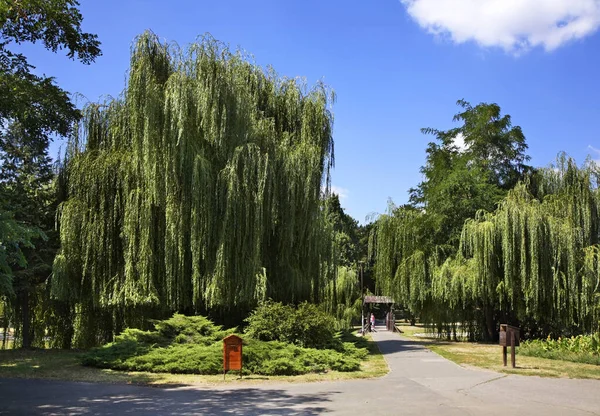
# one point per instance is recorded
(391, 346)
(61, 398)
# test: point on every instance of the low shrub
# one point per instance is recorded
(179, 358)
(581, 349)
(271, 321)
(193, 345)
(308, 325)
(191, 329)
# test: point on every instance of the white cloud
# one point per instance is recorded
(341, 192)
(513, 25)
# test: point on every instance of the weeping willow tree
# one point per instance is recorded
(341, 297)
(198, 189)
(534, 261)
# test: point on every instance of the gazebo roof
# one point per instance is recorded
(378, 299)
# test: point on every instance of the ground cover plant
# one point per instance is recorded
(580, 349)
(193, 345)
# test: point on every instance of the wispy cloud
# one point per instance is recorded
(595, 150)
(513, 25)
(341, 192)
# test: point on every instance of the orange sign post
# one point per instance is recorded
(232, 354)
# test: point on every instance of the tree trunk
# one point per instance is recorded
(490, 325)
(26, 323)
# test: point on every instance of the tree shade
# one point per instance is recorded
(199, 188)
(534, 261)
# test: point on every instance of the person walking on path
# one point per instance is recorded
(372, 322)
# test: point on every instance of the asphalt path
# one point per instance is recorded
(420, 382)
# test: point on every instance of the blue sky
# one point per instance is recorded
(396, 66)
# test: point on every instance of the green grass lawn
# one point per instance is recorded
(65, 365)
(489, 356)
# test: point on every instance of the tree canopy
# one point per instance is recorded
(198, 189)
(460, 180)
(36, 102)
(346, 231)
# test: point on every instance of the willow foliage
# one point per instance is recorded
(534, 260)
(199, 188)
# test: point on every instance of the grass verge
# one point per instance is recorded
(489, 356)
(66, 365)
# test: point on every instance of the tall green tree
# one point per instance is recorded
(25, 189)
(198, 190)
(13, 238)
(33, 109)
(462, 178)
(346, 229)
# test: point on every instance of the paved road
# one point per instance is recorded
(420, 383)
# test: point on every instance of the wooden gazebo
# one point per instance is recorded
(390, 322)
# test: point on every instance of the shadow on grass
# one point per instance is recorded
(41, 397)
(38, 359)
(66, 365)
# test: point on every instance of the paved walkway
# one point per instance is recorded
(420, 383)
